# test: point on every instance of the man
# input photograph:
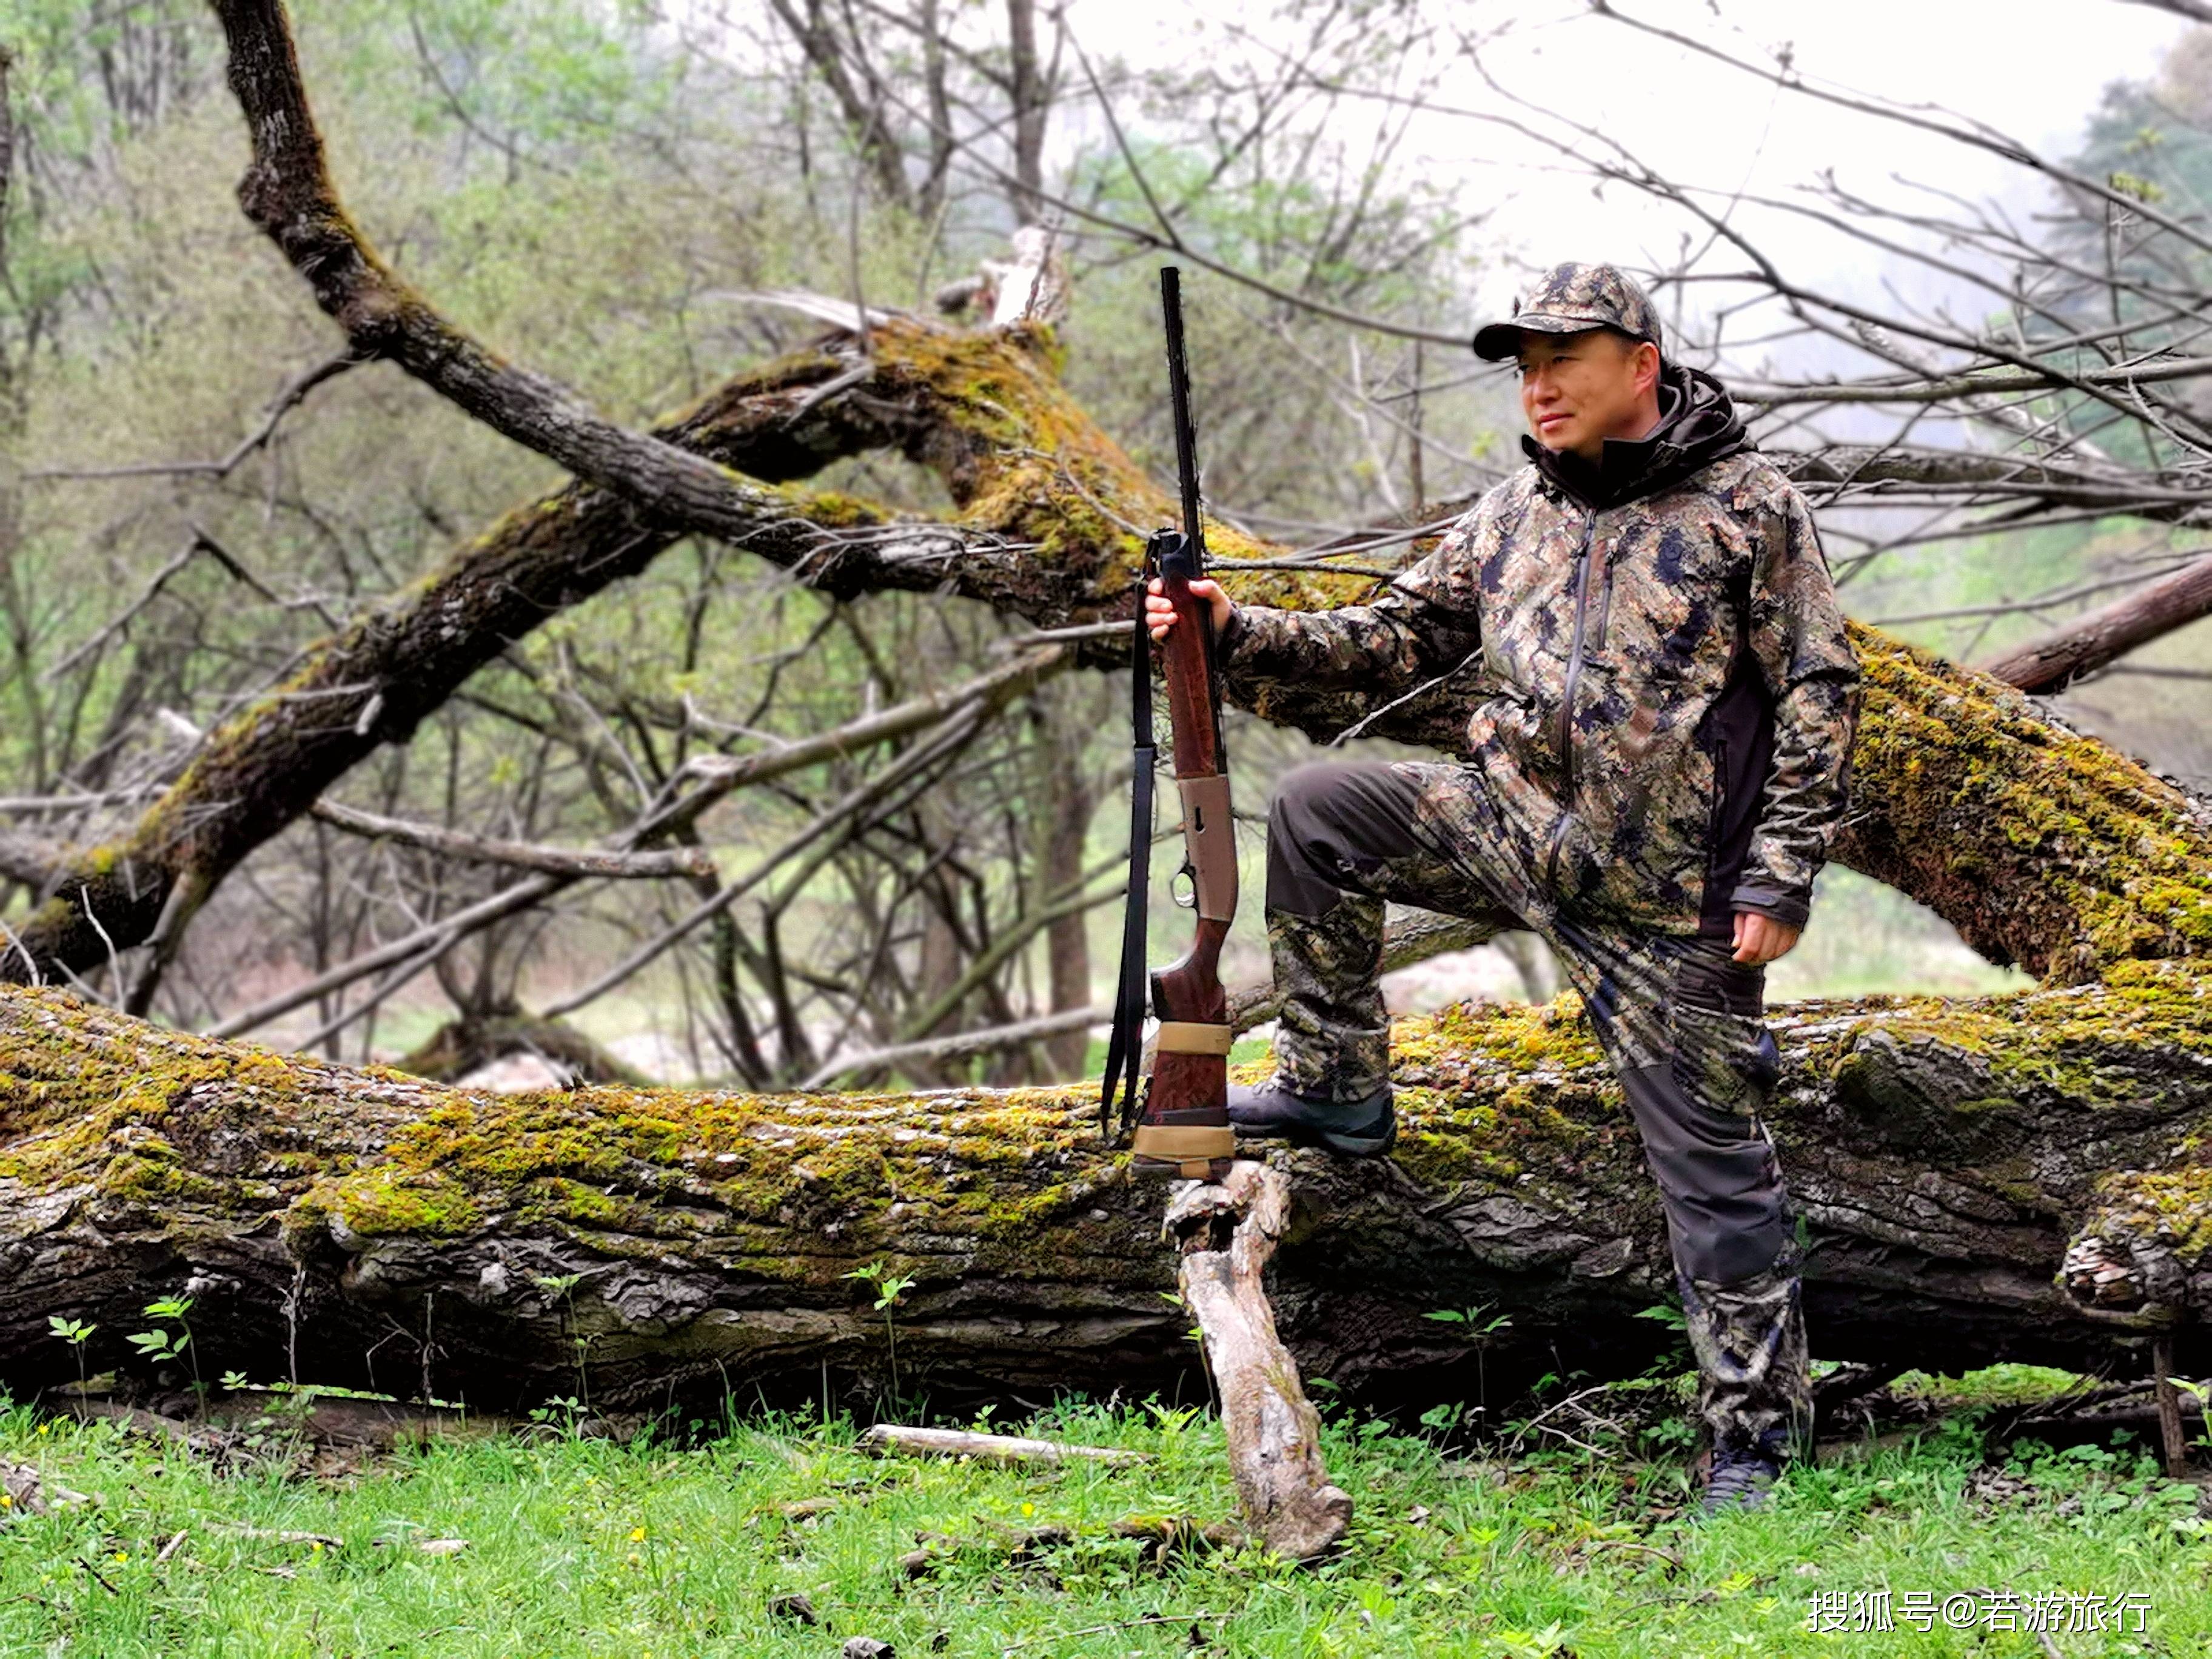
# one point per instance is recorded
(1656, 766)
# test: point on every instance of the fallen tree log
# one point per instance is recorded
(372, 1229)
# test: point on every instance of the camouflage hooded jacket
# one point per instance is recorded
(1668, 696)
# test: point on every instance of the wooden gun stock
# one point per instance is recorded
(1190, 1085)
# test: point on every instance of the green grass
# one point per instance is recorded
(656, 1550)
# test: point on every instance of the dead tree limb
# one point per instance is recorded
(900, 1440)
(1227, 1234)
(578, 861)
(2109, 632)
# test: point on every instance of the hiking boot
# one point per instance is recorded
(1740, 1480)
(1362, 1128)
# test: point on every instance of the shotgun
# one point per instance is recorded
(1183, 1129)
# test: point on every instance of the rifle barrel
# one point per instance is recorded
(1186, 437)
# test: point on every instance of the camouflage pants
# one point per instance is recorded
(1680, 1022)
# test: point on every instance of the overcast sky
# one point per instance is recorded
(2034, 71)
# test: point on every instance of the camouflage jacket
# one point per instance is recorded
(1666, 695)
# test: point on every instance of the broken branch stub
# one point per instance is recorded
(1227, 1233)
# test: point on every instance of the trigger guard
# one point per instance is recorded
(1185, 897)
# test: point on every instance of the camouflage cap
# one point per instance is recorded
(1568, 300)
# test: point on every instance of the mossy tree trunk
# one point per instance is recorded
(2019, 1177)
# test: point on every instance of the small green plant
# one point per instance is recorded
(1172, 1419)
(564, 1411)
(563, 1286)
(76, 1333)
(1674, 1355)
(162, 1344)
(2202, 1393)
(888, 1289)
(1196, 1333)
(1479, 1332)
(1533, 1645)
(1441, 1420)
(277, 1429)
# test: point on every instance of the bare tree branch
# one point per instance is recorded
(578, 862)
(2109, 633)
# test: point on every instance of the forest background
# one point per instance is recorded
(197, 483)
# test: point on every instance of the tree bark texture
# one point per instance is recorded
(2021, 1176)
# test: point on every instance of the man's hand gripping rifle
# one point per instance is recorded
(1183, 1127)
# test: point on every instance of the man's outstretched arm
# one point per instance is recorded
(1422, 625)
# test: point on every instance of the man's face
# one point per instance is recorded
(1578, 390)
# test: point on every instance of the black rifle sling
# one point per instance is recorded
(1124, 1048)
